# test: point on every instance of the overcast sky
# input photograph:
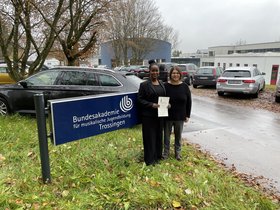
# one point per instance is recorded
(207, 23)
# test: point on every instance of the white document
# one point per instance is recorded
(163, 104)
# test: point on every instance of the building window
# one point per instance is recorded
(230, 52)
(230, 64)
(255, 65)
(207, 64)
(245, 64)
(237, 64)
(211, 53)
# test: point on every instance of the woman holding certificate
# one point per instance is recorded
(181, 102)
(149, 94)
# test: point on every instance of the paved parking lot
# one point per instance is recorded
(245, 140)
(265, 100)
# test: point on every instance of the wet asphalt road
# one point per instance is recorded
(247, 138)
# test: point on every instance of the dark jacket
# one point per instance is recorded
(147, 95)
(180, 100)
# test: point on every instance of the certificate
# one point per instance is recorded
(163, 104)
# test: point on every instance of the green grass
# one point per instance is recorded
(270, 87)
(107, 172)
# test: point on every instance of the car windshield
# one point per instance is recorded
(205, 71)
(182, 68)
(3, 69)
(124, 68)
(144, 67)
(128, 68)
(237, 73)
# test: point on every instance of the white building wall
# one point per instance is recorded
(264, 62)
(206, 60)
(220, 50)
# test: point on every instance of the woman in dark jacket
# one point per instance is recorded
(152, 125)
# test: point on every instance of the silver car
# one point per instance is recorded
(246, 80)
(277, 93)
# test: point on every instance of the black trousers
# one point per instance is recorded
(152, 132)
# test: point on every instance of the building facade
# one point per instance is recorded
(266, 62)
(159, 51)
(265, 56)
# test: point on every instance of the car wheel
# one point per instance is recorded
(191, 81)
(195, 86)
(4, 109)
(263, 86)
(256, 95)
(220, 93)
(277, 99)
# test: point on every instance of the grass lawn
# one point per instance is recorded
(270, 87)
(107, 172)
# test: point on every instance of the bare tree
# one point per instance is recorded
(147, 22)
(118, 29)
(133, 27)
(83, 20)
(167, 33)
(24, 34)
(240, 42)
(28, 30)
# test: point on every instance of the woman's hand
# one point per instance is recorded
(187, 119)
(155, 106)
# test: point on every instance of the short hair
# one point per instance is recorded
(177, 69)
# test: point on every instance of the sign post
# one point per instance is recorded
(81, 117)
(42, 134)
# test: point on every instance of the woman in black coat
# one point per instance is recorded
(152, 125)
(180, 111)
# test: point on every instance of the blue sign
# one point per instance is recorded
(81, 117)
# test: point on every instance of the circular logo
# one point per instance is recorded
(126, 104)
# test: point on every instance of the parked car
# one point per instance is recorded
(167, 65)
(62, 82)
(277, 92)
(188, 70)
(207, 76)
(4, 75)
(245, 80)
(130, 69)
(135, 80)
(142, 71)
(138, 70)
(164, 69)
